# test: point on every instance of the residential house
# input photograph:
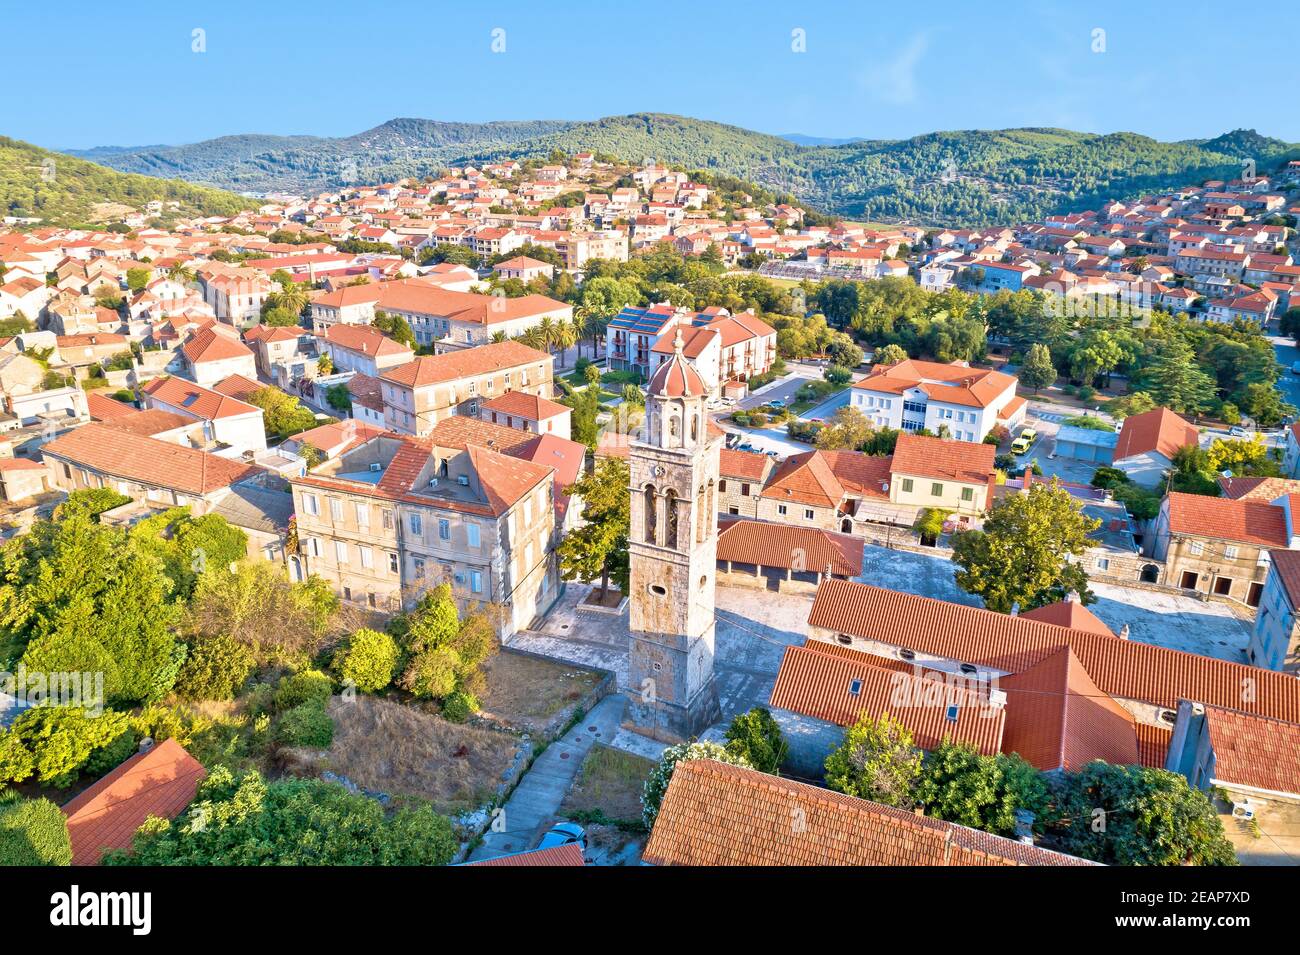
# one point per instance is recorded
(1275, 640)
(528, 412)
(1148, 443)
(363, 348)
(227, 420)
(911, 395)
(213, 353)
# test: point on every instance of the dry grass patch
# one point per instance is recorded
(387, 747)
(609, 782)
(531, 694)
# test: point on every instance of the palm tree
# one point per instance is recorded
(498, 337)
(546, 331)
(533, 338)
(182, 273)
(564, 336)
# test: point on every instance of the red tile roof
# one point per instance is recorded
(1221, 518)
(150, 421)
(570, 854)
(841, 687)
(480, 360)
(104, 408)
(522, 404)
(826, 478)
(1158, 430)
(1123, 669)
(160, 782)
(364, 339)
(719, 815)
(1254, 751)
(1069, 613)
(953, 384)
(746, 465)
(194, 399)
(209, 344)
(1057, 718)
(784, 545)
(116, 453)
(962, 461)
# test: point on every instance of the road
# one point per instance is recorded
(1287, 355)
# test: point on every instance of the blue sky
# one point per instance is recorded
(124, 73)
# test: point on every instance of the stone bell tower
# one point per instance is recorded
(672, 544)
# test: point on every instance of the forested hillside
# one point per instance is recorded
(62, 190)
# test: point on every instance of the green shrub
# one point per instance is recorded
(369, 660)
(756, 737)
(215, 669)
(307, 724)
(34, 832)
(109, 757)
(53, 743)
(309, 686)
(459, 706)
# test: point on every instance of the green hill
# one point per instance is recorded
(62, 190)
(965, 177)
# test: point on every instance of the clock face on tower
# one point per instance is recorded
(659, 470)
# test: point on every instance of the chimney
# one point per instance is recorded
(146, 744)
(1015, 609)
(1123, 633)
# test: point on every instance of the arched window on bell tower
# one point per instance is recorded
(651, 515)
(695, 428)
(670, 519)
(700, 515)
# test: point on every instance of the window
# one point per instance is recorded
(365, 554)
(336, 509)
(855, 687)
(907, 485)
(363, 514)
(392, 564)
(417, 565)
(807, 513)
(476, 581)
(722, 485)
(1196, 548)
(472, 535)
(744, 490)
(309, 504)
(780, 509)
(388, 520)
(341, 552)
(444, 529)
(313, 547)
(968, 494)
(952, 713)
(417, 528)
(936, 489)
(1230, 552)
(1103, 563)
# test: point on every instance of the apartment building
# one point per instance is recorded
(397, 515)
(1275, 640)
(420, 393)
(362, 348)
(911, 395)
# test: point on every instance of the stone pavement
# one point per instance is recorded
(532, 807)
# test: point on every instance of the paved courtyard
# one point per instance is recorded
(1169, 620)
(753, 630)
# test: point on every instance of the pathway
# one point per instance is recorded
(533, 805)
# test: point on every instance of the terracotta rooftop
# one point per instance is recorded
(826, 478)
(787, 546)
(160, 782)
(111, 451)
(365, 339)
(1221, 518)
(1069, 613)
(746, 465)
(1123, 669)
(208, 344)
(570, 854)
(522, 404)
(150, 421)
(1158, 430)
(1258, 488)
(104, 408)
(1057, 718)
(481, 360)
(839, 687)
(924, 456)
(194, 399)
(677, 377)
(714, 814)
(1254, 751)
(953, 384)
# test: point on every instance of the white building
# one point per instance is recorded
(912, 395)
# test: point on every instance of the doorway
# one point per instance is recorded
(1189, 579)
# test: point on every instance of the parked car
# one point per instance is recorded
(1237, 431)
(776, 403)
(1295, 368)
(564, 834)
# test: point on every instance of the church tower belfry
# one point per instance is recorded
(672, 547)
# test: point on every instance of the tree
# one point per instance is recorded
(1022, 555)
(890, 355)
(339, 397)
(325, 365)
(598, 549)
(1038, 371)
(78, 597)
(279, 317)
(1174, 379)
(929, 524)
(395, 327)
(215, 668)
(137, 279)
(33, 832)
(368, 660)
(1136, 815)
(1129, 405)
(656, 784)
(257, 605)
(848, 430)
(877, 760)
(53, 743)
(960, 785)
(245, 820)
(756, 737)
(842, 351)
(283, 416)
(445, 652)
